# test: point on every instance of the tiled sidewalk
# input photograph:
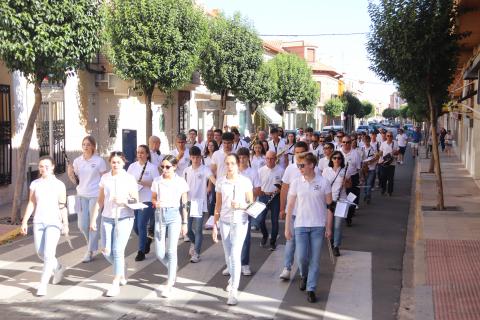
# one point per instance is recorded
(447, 245)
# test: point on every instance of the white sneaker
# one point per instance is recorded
(114, 290)
(229, 287)
(232, 298)
(195, 258)
(186, 239)
(58, 274)
(225, 272)
(42, 290)
(246, 270)
(88, 257)
(167, 291)
(191, 251)
(285, 275)
(124, 279)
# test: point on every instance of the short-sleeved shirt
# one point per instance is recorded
(279, 148)
(118, 185)
(353, 159)
(252, 174)
(416, 136)
(47, 192)
(218, 159)
(240, 144)
(233, 190)
(197, 181)
(290, 153)
(269, 177)
(257, 162)
(368, 153)
(387, 148)
(169, 191)
(336, 178)
(290, 174)
(402, 140)
(317, 151)
(182, 163)
(150, 173)
(310, 201)
(156, 158)
(89, 173)
(323, 163)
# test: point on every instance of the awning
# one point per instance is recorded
(270, 115)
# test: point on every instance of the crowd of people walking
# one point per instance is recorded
(301, 177)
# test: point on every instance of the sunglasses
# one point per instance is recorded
(337, 158)
(166, 167)
(300, 165)
(389, 135)
(347, 142)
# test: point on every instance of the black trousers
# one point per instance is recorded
(356, 191)
(386, 178)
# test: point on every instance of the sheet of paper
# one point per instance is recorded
(351, 197)
(341, 210)
(196, 208)
(255, 209)
(137, 206)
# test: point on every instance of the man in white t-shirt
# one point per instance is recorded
(155, 156)
(192, 140)
(218, 157)
(369, 166)
(388, 151)
(181, 153)
(278, 146)
(237, 141)
(402, 140)
(354, 162)
(270, 180)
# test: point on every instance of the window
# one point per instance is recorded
(311, 55)
(51, 132)
(5, 136)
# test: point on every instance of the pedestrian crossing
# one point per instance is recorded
(200, 287)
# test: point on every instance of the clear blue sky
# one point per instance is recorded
(346, 53)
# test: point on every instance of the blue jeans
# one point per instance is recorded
(290, 247)
(369, 183)
(246, 245)
(83, 220)
(114, 242)
(46, 238)
(309, 246)
(140, 224)
(274, 207)
(233, 236)
(195, 233)
(337, 231)
(167, 220)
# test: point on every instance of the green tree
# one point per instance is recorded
(232, 57)
(390, 114)
(368, 109)
(415, 44)
(155, 42)
(294, 82)
(45, 39)
(334, 107)
(353, 107)
(257, 91)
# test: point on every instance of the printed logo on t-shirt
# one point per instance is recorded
(93, 165)
(200, 176)
(316, 187)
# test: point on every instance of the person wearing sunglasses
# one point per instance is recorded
(117, 189)
(234, 194)
(352, 157)
(328, 149)
(181, 153)
(387, 154)
(369, 166)
(338, 140)
(168, 191)
(310, 194)
(339, 178)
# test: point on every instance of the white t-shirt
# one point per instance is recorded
(257, 162)
(368, 153)
(89, 173)
(386, 148)
(150, 173)
(270, 177)
(169, 191)
(290, 153)
(207, 161)
(218, 159)
(47, 192)
(353, 159)
(317, 151)
(278, 148)
(118, 185)
(197, 183)
(183, 163)
(336, 182)
(310, 201)
(240, 144)
(252, 174)
(323, 163)
(402, 139)
(156, 159)
(233, 190)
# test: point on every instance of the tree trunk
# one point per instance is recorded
(249, 113)
(223, 108)
(22, 154)
(148, 91)
(436, 154)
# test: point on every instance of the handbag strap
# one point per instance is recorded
(343, 180)
(143, 171)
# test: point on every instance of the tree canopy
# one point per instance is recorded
(368, 109)
(390, 113)
(40, 39)
(353, 106)
(294, 82)
(334, 107)
(260, 88)
(155, 42)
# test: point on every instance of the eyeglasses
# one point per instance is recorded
(116, 153)
(336, 158)
(300, 165)
(389, 135)
(347, 142)
(166, 167)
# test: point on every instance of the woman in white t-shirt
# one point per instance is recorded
(234, 193)
(144, 172)
(210, 148)
(402, 140)
(309, 194)
(88, 169)
(47, 198)
(169, 191)
(258, 158)
(290, 146)
(117, 189)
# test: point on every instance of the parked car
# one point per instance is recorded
(363, 128)
(326, 129)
